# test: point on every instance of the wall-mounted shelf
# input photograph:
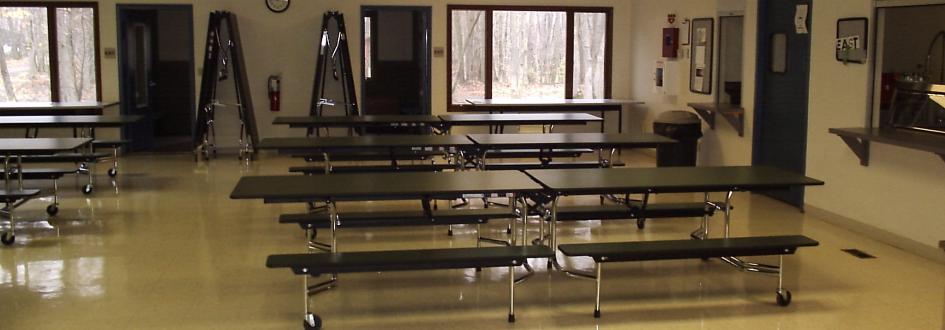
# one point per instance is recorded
(858, 139)
(733, 114)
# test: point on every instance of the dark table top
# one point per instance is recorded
(358, 121)
(324, 144)
(549, 102)
(377, 186)
(668, 179)
(470, 119)
(40, 146)
(569, 140)
(66, 121)
(53, 108)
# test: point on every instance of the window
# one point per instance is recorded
(33, 70)
(518, 52)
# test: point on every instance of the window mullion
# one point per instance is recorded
(53, 53)
(488, 55)
(569, 57)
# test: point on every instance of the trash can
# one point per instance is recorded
(682, 126)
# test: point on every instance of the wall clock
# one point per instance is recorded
(277, 6)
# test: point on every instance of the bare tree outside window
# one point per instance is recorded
(468, 55)
(24, 54)
(589, 46)
(76, 38)
(528, 54)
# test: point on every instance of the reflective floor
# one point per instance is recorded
(164, 247)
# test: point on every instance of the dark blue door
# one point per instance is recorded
(780, 136)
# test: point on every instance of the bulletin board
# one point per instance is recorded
(701, 42)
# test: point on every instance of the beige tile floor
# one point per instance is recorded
(164, 247)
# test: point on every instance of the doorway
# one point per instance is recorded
(783, 74)
(395, 57)
(156, 75)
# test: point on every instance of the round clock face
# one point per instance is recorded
(277, 6)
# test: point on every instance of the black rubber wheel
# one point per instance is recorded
(549, 265)
(449, 232)
(641, 223)
(87, 189)
(511, 318)
(784, 298)
(508, 230)
(113, 172)
(7, 238)
(52, 209)
(596, 313)
(312, 322)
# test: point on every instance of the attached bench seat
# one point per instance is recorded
(368, 156)
(403, 260)
(614, 212)
(535, 153)
(312, 264)
(71, 157)
(13, 195)
(373, 168)
(725, 248)
(398, 218)
(111, 144)
(40, 173)
(552, 165)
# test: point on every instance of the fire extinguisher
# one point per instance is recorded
(274, 94)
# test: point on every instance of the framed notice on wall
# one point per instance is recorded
(700, 73)
(851, 39)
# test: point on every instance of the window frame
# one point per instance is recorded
(569, 46)
(53, 35)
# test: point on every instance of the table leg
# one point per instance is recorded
(603, 121)
(620, 121)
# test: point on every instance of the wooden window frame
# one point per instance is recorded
(569, 46)
(53, 36)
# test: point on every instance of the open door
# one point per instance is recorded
(156, 74)
(396, 60)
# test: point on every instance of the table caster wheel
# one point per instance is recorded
(511, 318)
(52, 209)
(508, 230)
(596, 313)
(641, 223)
(87, 189)
(549, 265)
(8, 238)
(312, 322)
(449, 232)
(784, 298)
(113, 172)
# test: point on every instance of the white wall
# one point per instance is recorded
(719, 146)
(901, 191)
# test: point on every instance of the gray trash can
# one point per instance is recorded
(683, 126)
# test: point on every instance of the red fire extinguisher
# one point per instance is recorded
(274, 93)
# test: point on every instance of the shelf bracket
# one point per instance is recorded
(707, 115)
(861, 148)
(737, 121)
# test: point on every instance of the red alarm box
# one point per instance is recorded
(670, 42)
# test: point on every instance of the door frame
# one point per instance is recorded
(120, 17)
(427, 67)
